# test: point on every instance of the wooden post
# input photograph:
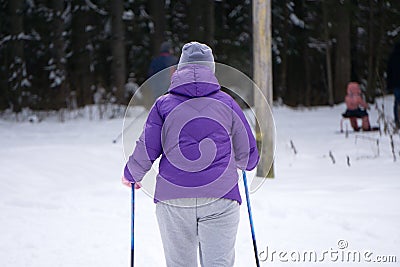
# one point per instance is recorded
(262, 65)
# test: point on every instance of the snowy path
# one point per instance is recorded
(62, 203)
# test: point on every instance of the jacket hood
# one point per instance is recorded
(194, 80)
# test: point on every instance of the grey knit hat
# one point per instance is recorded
(196, 53)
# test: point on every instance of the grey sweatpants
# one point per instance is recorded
(207, 225)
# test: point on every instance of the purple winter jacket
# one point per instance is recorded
(202, 136)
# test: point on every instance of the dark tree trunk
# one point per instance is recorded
(81, 76)
(300, 89)
(209, 22)
(307, 67)
(307, 59)
(196, 27)
(61, 94)
(328, 59)
(343, 46)
(371, 81)
(17, 66)
(285, 34)
(118, 49)
(157, 13)
(380, 47)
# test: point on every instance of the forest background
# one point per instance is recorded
(55, 54)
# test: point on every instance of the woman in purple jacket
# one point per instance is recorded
(202, 137)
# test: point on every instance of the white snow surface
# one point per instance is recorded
(62, 203)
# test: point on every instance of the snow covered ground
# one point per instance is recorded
(62, 203)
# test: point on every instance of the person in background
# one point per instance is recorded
(131, 87)
(393, 80)
(159, 83)
(197, 195)
(356, 107)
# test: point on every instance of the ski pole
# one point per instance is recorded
(253, 235)
(129, 126)
(133, 226)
